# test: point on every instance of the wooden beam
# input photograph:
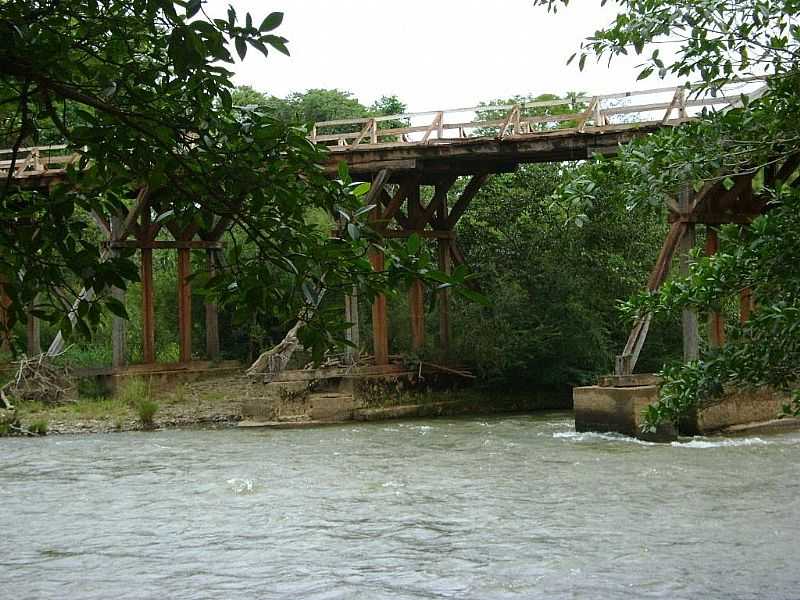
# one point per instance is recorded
(423, 233)
(403, 191)
(381, 178)
(185, 304)
(168, 244)
(439, 198)
(716, 322)
(466, 197)
(626, 362)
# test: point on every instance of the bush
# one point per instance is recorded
(147, 409)
(38, 427)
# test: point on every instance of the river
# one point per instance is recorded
(515, 507)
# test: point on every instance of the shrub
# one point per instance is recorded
(146, 409)
(38, 427)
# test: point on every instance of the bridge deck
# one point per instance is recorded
(437, 158)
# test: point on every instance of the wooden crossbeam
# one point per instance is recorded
(168, 244)
(466, 197)
(397, 200)
(626, 362)
(439, 197)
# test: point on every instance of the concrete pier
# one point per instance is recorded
(617, 404)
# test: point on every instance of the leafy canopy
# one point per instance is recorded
(716, 41)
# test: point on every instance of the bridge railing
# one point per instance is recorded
(581, 113)
(35, 160)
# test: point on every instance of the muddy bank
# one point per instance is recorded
(225, 402)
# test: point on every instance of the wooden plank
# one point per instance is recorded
(466, 197)
(716, 322)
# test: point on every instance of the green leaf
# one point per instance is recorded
(241, 47)
(728, 183)
(413, 244)
(276, 42)
(271, 21)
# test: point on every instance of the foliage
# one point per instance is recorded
(146, 409)
(553, 287)
(155, 105)
(717, 41)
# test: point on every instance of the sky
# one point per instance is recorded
(432, 54)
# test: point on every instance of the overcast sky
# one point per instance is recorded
(433, 54)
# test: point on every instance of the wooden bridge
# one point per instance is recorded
(403, 154)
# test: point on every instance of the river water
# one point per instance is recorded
(516, 507)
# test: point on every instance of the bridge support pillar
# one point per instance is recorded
(380, 319)
(716, 322)
(184, 305)
(691, 334)
(118, 325)
(416, 304)
(212, 312)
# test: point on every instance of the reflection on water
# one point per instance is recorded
(520, 507)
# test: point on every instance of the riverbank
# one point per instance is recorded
(222, 403)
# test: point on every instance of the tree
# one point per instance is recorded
(154, 106)
(717, 42)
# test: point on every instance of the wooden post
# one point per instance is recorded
(34, 335)
(445, 266)
(353, 333)
(184, 304)
(416, 293)
(745, 305)
(416, 305)
(691, 344)
(716, 322)
(5, 303)
(148, 308)
(380, 321)
(212, 312)
(118, 324)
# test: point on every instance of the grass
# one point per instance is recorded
(147, 409)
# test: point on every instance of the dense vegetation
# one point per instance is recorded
(141, 88)
(716, 42)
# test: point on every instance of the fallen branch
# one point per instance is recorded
(274, 361)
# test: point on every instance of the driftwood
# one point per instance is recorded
(274, 361)
(37, 379)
